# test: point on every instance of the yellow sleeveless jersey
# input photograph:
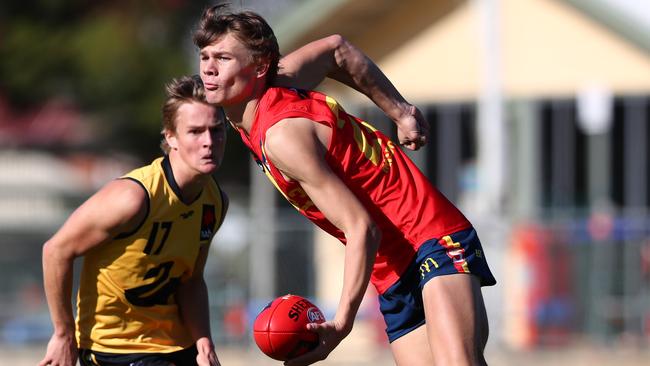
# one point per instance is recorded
(126, 302)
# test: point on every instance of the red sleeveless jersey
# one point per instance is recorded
(399, 198)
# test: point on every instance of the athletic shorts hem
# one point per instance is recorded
(397, 335)
(458, 253)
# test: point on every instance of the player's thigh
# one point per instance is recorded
(412, 349)
(455, 315)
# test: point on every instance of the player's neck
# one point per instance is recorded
(242, 116)
(189, 182)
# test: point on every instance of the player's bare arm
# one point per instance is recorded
(336, 58)
(192, 299)
(118, 207)
(297, 148)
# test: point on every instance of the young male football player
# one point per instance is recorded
(145, 238)
(418, 250)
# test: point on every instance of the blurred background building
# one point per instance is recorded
(539, 113)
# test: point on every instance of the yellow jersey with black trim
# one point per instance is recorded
(126, 301)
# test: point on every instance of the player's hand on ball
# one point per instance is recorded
(280, 329)
(412, 129)
(330, 334)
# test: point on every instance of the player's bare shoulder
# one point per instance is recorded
(124, 201)
(297, 133)
(294, 146)
(125, 192)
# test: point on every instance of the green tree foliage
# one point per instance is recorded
(111, 58)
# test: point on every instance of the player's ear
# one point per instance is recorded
(170, 137)
(262, 68)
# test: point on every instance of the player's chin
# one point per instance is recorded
(212, 97)
(208, 167)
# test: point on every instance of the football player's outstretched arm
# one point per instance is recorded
(336, 58)
(294, 148)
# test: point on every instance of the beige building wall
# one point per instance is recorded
(548, 47)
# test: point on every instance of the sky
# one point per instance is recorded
(638, 10)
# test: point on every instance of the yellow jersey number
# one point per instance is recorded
(160, 290)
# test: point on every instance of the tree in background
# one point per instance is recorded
(110, 59)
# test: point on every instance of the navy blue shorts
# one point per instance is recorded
(183, 357)
(460, 252)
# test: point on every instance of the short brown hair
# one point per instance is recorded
(248, 27)
(183, 90)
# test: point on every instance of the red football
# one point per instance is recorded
(280, 328)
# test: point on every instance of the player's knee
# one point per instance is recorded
(466, 357)
(458, 349)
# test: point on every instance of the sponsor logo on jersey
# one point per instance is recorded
(208, 222)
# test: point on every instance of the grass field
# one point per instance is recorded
(345, 355)
(362, 348)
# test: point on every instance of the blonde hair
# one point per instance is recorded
(183, 90)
